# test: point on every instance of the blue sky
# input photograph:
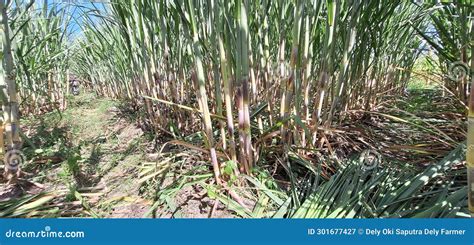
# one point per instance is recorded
(77, 9)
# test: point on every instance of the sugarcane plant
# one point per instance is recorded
(283, 70)
(10, 108)
(34, 68)
(454, 25)
(245, 82)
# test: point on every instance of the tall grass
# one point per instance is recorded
(292, 65)
(34, 66)
(276, 75)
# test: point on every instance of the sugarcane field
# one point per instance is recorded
(237, 109)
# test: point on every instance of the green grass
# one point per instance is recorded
(417, 83)
(424, 67)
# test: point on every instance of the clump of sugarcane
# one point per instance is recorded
(41, 54)
(10, 122)
(452, 43)
(453, 40)
(281, 72)
(34, 65)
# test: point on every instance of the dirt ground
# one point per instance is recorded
(111, 152)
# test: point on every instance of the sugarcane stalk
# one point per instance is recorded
(227, 93)
(242, 88)
(293, 82)
(349, 45)
(470, 134)
(326, 65)
(202, 91)
(10, 109)
(217, 77)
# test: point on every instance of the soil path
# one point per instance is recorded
(103, 164)
(115, 152)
